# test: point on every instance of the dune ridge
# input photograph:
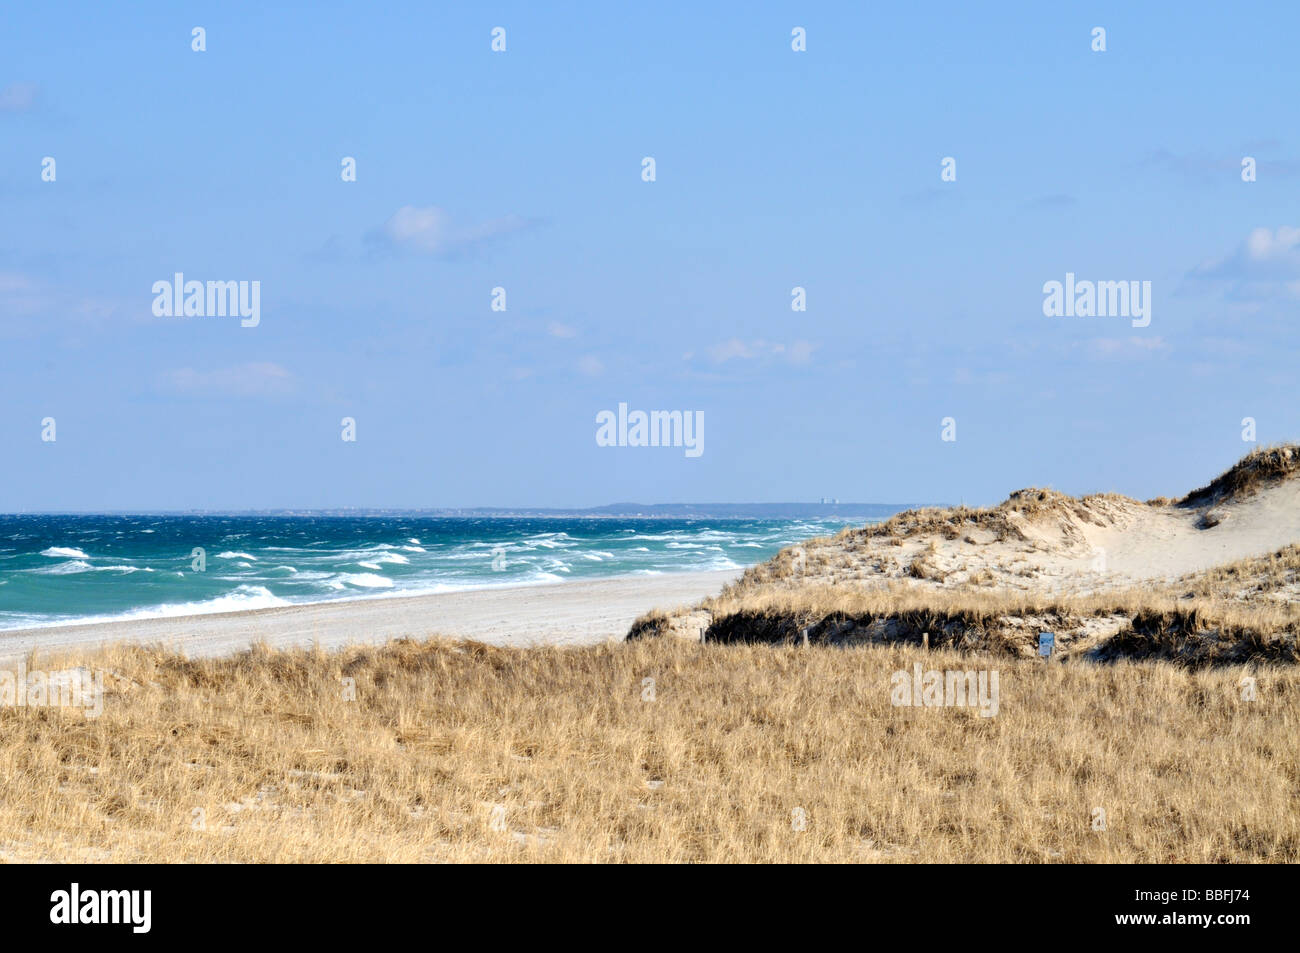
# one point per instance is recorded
(1210, 578)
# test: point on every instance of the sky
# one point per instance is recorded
(522, 169)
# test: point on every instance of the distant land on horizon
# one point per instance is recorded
(828, 510)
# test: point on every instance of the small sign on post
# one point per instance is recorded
(1046, 642)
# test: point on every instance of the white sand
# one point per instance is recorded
(1098, 545)
(1154, 544)
(571, 613)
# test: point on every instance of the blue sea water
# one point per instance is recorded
(57, 570)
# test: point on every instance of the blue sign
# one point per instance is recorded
(1046, 642)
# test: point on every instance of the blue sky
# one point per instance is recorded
(522, 169)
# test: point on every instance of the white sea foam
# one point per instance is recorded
(365, 580)
(234, 555)
(74, 566)
(242, 599)
(65, 552)
(722, 562)
(65, 569)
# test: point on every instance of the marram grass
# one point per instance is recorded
(461, 752)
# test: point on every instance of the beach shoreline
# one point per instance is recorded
(573, 612)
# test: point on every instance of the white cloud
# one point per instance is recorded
(734, 349)
(557, 330)
(1281, 246)
(18, 97)
(1209, 169)
(430, 230)
(1266, 265)
(426, 228)
(800, 352)
(591, 365)
(1265, 255)
(1127, 347)
(257, 379)
(29, 307)
(11, 283)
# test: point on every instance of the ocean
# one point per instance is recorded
(59, 570)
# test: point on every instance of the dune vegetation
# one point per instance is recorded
(438, 751)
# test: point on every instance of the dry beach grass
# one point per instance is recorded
(464, 752)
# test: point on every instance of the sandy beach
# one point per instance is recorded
(573, 613)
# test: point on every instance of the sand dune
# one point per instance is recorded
(1113, 543)
(1212, 578)
(1046, 542)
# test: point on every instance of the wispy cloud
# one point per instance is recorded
(735, 349)
(19, 97)
(1265, 265)
(1057, 200)
(256, 379)
(1128, 348)
(29, 308)
(931, 195)
(1219, 168)
(430, 230)
(11, 283)
(21, 301)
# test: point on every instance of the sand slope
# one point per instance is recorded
(1042, 541)
(1211, 579)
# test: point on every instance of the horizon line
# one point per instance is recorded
(605, 509)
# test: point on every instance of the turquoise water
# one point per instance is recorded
(63, 569)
